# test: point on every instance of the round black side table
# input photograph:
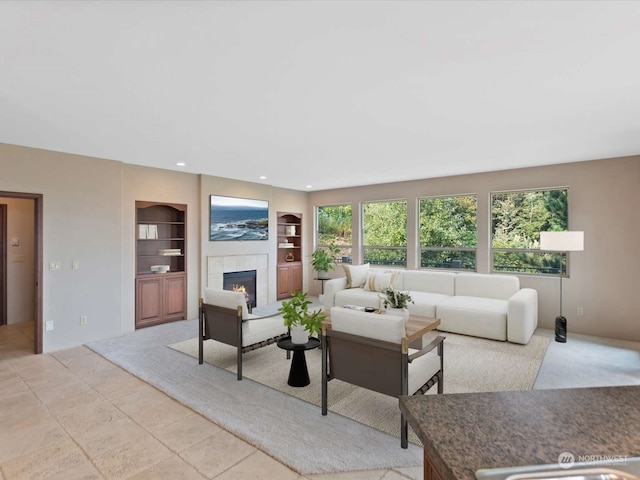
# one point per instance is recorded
(298, 373)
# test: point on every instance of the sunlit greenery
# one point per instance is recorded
(334, 227)
(448, 233)
(447, 230)
(517, 218)
(384, 232)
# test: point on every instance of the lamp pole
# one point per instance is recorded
(564, 241)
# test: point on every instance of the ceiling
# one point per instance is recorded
(316, 95)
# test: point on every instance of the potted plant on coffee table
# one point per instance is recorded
(396, 302)
(299, 319)
(323, 260)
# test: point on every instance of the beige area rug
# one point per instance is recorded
(470, 365)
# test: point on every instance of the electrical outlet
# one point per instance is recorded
(83, 320)
(580, 311)
(48, 325)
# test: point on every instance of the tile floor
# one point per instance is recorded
(74, 415)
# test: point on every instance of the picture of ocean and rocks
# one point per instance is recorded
(239, 219)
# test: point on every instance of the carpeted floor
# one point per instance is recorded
(471, 365)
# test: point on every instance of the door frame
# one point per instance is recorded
(37, 261)
(3, 264)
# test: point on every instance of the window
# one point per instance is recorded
(448, 233)
(334, 227)
(384, 233)
(517, 218)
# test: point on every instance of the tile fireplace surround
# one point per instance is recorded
(219, 264)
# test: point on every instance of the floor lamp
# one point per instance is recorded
(562, 242)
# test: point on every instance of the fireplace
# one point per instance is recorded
(244, 282)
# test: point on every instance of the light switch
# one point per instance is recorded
(75, 264)
(15, 242)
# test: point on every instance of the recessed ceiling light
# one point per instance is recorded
(262, 177)
(181, 164)
(309, 186)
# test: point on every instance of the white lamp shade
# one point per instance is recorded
(562, 241)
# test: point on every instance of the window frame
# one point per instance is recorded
(403, 248)
(560, 257)
(421, 248)
(317, 233)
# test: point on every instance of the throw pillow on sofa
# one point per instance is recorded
(356, 274)
(379, 281)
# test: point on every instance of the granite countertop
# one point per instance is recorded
(462, 433)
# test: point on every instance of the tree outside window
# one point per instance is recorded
(384, 233)
(517, 218)
(448, 232)
(334, 227)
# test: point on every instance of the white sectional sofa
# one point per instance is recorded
(488, 306)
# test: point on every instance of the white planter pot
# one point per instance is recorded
(323, 274)
(400, 312)
(299, 335)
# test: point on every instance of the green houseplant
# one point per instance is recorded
(298, 319)
(396, 302)
(395, 298)
(323, 260)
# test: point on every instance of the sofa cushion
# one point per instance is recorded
(357, 296)
(389, 328)
(254, 331)
(226, 299)
(433, 282)
(356, 274)
(425, 303)
(483, 285)
(481, 317)
(422, 369)
(377, 280)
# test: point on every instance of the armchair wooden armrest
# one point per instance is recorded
(436, 342)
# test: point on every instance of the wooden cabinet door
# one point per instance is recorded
(296, 277)
(149, 305)
(174, 297)
(284, 281)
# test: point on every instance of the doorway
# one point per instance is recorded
(37, 257)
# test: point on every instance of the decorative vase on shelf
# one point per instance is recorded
(299, 335)
(400, 312)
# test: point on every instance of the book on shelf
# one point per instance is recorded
(286, 245)
(152, 232)
(143, 232)
(169, 251)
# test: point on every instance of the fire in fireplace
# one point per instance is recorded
(244, 282)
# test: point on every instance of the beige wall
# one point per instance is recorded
(279, 200)
(603, 195)
(82, 199)
(20, 260)
(154, 184)
(89, 213)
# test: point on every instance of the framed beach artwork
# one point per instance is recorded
(238, 219)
